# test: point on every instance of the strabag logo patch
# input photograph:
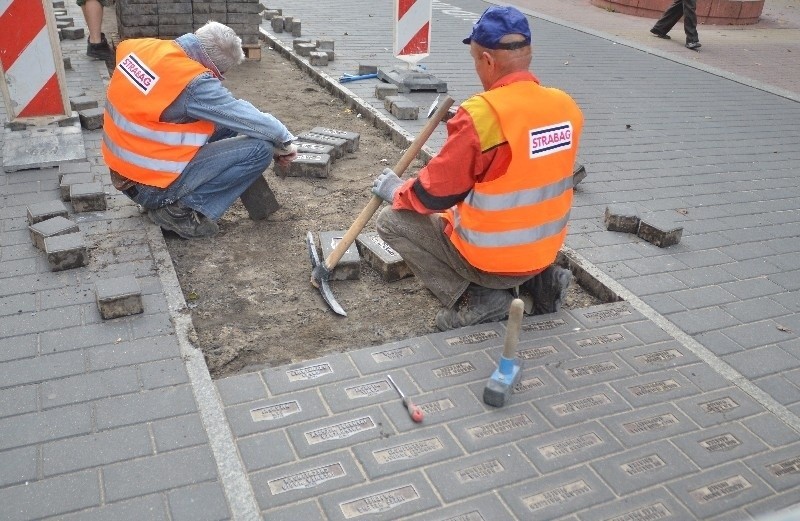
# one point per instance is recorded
(137, 73)
(549, 140)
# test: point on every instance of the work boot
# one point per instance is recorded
(693, 45)
(101, 51)
(184, 221)
(476, 306)
(548, 289)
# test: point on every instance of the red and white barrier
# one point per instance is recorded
(412, 29)
(31, 65)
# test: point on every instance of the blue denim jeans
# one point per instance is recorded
(214, 179)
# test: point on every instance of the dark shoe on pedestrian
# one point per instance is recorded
(101, 51)
(693, 45)
(186, 222)
(476, 306)
(548, 289)
(658, 33)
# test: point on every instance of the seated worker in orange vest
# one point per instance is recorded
(177, 142)
(489, 212)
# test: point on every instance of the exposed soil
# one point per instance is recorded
(249, 288)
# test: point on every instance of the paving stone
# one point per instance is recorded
(302, 510)
(647, 506)
(92, 118)
(259, 200)
(344, 430)
(87, 387)
(241, 388)
(383, 90)
(305, 147)
(297, 28)
(74, 167)
(275, 413)
(339, 145)
(318, 59)
(719, 406)
(72, 33)
(66, 252)
(371, 390)
(178, 433)
(163, 373)
(88, 197)
(95, 450)
(202, 502)
(353, 138)
(665, 386)
(643, 467)
(44, 426)
(758, 362)
(649, 424)
(119, 297)
(542, 326)
(471, 338)
(382, 258)
(606, 314)
(548, 497)
(780, 468)
(718, 445)
(479, 508)
(621, 218)
(718, 490)
(313, 373)
(143, 407)
(589, 403)
(265, 451)
(305, 49)
(648, 332)
(18, 400)
(64, 494)
(18, 465)
(349, 266)
(399, 497)
(50, 228)
(534, 383)
(506, 425)
(67, 180)
(558, 449)
(276, 23)
(600, 340)
(406, 452)
(306, 165)
(39, 212)
(438, 407)
(80, 103)
(588, 370)
(390, 356)
(404, 110)
(660, 231)
(456, 370)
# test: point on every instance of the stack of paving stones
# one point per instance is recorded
(318, 52)
(170, 18)
(317, 149)
(655, 229)
(611, 415)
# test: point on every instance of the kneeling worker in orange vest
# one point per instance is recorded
(489, 212)
(177, 142)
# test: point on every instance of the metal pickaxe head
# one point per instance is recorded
(321, 275)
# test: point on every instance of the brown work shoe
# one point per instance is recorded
(547, 290)
(184, 221)
(476, 306)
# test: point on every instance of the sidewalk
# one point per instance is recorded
(680, 403)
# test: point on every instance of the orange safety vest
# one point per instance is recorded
(149, 76)
(517, 222)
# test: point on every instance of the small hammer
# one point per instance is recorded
(508, 372)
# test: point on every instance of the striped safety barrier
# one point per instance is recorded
(412, 29)
(31, 62)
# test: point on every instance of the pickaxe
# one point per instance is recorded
(321, 271)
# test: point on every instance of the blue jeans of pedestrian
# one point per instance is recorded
(214, 179)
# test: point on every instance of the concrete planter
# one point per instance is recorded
(709, 12)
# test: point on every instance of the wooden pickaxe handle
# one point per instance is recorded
(375, 202)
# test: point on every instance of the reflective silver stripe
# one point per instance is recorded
(159, 165)
(492, 202)
(166, 138)
(510, 238)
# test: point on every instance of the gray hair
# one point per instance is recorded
(221, 44)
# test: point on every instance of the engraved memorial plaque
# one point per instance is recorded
(662, 386)
(481, 471)
(436, 406)
(391, 355)
(456, 369)
(648, 513)
(640, 465)
(500, 426)
(591, 369)
(367, 390)
(720, 489)
(473, 338)
(309, 372)
(719, 406)
(339, 431)
(782, 468)
(526, 384)
(469, 516)
(544, 325)
(720, 443)
(650, 424)
(407, 451)
(557, 496)
(381, 502)
(596, 400)
(380, 243)
(600, 340)
(659, 356)
(275, 412)
(570, 446)
(611, 313)
(306, 479)
(534, 353)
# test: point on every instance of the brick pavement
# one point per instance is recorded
(680, 403)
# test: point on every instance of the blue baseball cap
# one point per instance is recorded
(496, 22)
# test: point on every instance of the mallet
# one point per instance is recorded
(508, 372)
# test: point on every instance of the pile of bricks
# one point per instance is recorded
(172, 18)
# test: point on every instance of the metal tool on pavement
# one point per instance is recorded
(344, 78)
(432, 109)
(414, 411)
(508, 372)
(321, 271)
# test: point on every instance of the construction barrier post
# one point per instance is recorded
(412, 29)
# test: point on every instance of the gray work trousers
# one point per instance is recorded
(433, 259)
(685, 8)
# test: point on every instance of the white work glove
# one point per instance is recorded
(386, 185)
